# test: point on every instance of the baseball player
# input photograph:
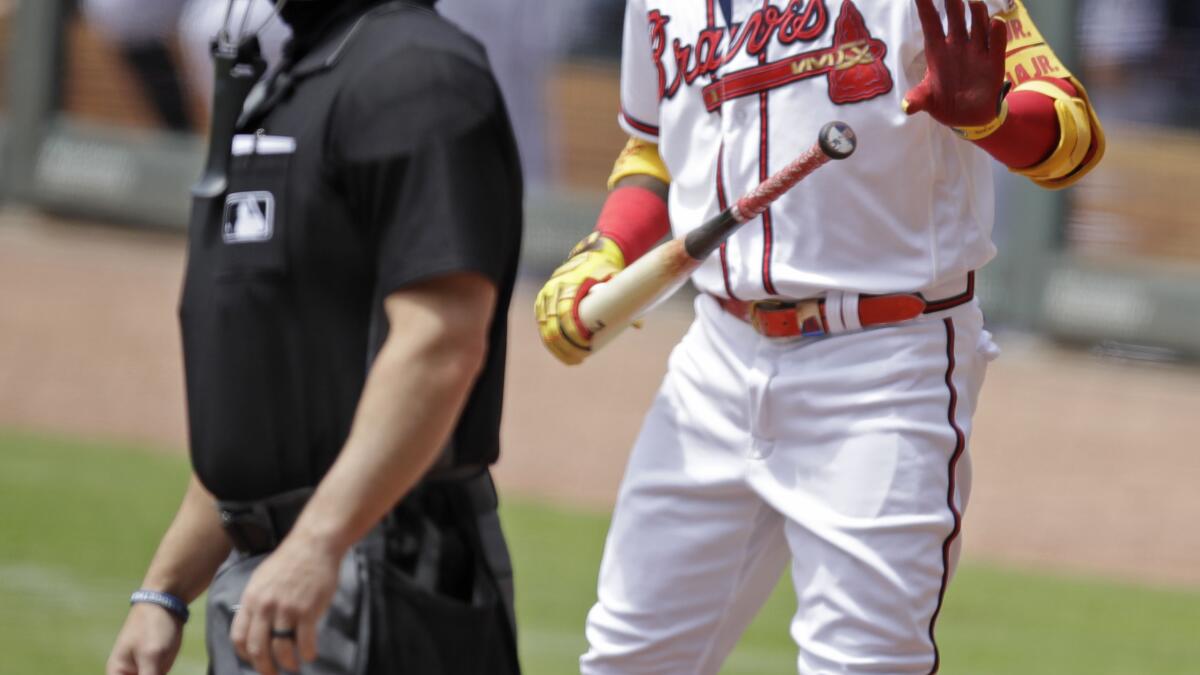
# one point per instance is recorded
(352, 250)
(818, 409)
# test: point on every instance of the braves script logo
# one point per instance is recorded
(854, 63)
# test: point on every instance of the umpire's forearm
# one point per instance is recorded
(192, 548)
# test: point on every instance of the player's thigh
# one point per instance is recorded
(690, 556)
(766, 559)
(675, 594)
(873, 476)
(683, 496)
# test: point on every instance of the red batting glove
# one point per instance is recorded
(964, 76)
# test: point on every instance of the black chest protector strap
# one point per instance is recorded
(236, 69)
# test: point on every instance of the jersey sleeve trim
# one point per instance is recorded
(437, 269)
(635, 127)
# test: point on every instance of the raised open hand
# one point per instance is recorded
(964, 75)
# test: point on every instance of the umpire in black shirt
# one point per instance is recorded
(352, 253)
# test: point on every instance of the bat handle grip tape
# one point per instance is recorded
(758, 200)
(702, 241)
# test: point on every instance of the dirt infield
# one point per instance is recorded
(1081, 464)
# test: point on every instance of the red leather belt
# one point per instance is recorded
(811, 318)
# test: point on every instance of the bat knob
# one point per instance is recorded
(838, 140)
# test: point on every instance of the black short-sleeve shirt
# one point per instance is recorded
(387, 160)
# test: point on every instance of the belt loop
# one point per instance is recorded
(841, 312)
(835, 311)
(834, 304)
(849, 312)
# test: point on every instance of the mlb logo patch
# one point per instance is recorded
(249, 217)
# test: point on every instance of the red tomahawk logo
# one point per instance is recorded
(854, 65)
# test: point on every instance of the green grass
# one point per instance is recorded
(78, 522)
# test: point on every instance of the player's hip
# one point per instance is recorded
(759, 383)
(751, 329)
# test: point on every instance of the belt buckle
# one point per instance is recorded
(796, 318)
(808, 315)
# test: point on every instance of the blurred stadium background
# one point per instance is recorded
(1087, 444)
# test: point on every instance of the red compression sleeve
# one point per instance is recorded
(1031, 132)
(635, 219)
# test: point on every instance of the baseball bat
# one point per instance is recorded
(611, 306)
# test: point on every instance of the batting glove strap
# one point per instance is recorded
(172, 603)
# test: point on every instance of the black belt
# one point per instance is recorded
(257, 527)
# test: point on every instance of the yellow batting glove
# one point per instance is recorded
(592, 261)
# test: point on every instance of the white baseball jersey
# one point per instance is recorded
(730, 104)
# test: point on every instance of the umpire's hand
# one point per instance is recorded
(276, 625)
(147, 644)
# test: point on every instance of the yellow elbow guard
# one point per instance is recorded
(639, 157)
(1078, 130)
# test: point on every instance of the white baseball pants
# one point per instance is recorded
(845, 455)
